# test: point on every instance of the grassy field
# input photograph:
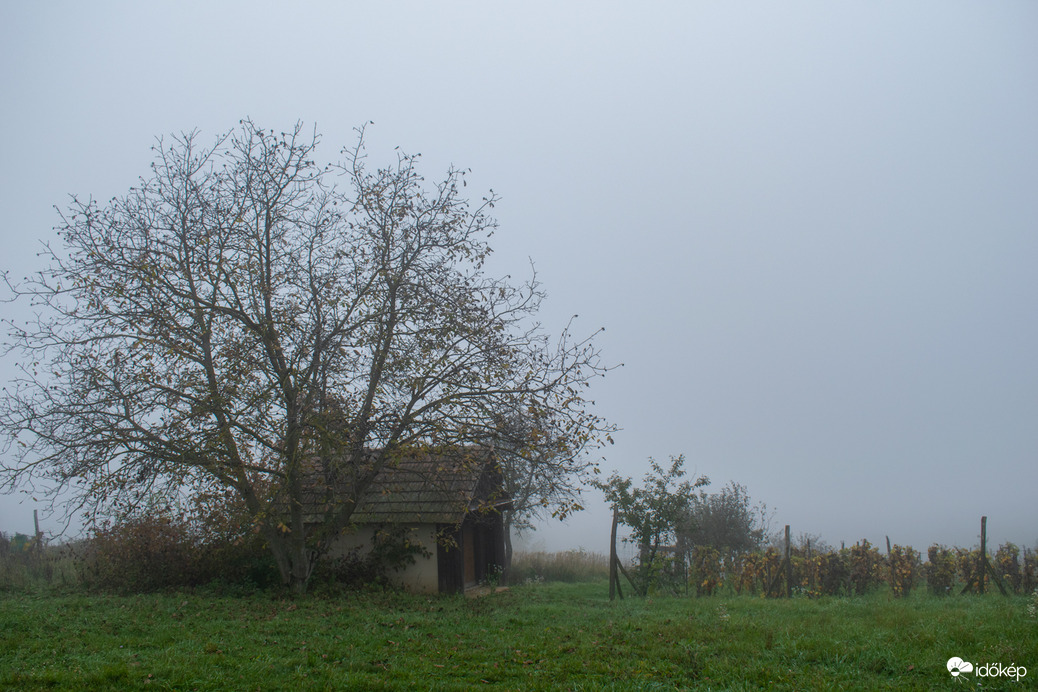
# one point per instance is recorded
(541, 636)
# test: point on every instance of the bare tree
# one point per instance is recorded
(240, 321)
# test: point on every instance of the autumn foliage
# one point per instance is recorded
(163, 550)
(855, 571)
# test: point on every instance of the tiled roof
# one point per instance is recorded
(432, 488)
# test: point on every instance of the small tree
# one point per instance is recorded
(238, 321)
(657, 513)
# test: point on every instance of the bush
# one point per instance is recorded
(940, 569)
(706, 566)
(833, 572)
(747, 572)
(904, 567)
(1007, 565)
(971, 568)
(1029, 578)
(160, 550)
(146, 553)
(865, 567)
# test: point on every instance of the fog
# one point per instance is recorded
(808, 229)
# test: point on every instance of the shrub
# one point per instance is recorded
(161, 550)
(748, 572)
(865, 567)
(1007, 565)
(1029, 578)
(770, 565)
(904, 567)
(706, 566)
(833, 572)
(940, 569)
(145, 553)
(971, 567)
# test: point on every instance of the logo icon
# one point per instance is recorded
(956, 666)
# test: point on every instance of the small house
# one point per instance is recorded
(450, 506)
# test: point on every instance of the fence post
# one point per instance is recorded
(789, 567)
(613, 577)
(38, 548)
(984, 566)
(810, 568)
(987, 564)
(983, 554)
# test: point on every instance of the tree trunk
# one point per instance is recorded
(293, 560)
(506, 569)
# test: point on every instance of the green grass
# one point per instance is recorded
(546, 636)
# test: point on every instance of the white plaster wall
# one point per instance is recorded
(421, 577)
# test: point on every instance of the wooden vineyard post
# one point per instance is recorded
(616, 566)
(785, 570)
(789, 568)
(614, 581)
(810, 568)
(38, 546)
(985, 565)
(983, 553)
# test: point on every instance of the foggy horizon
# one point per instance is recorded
(808, 230)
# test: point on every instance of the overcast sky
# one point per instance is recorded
(810, 230)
